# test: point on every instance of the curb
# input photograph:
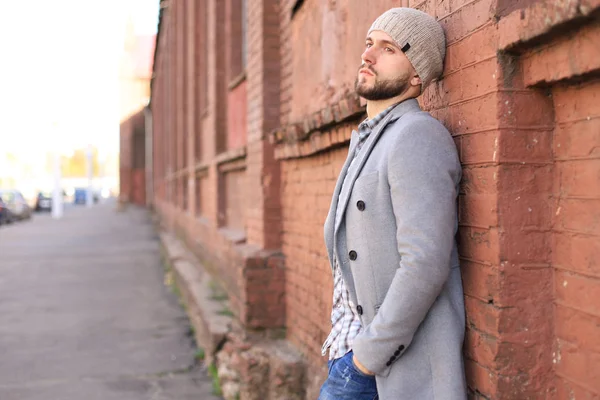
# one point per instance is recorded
(199, 296)
(249, 365)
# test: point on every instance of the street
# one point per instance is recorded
(85, 313)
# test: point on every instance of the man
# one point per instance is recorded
(398, 310)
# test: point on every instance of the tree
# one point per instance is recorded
(75, 166)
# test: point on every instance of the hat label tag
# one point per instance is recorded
(405, 48)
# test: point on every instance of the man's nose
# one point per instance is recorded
(368, 56)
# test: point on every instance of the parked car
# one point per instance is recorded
(5, 214)
(16, 203)
(43, 201)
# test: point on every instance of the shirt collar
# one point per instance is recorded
(365, 127)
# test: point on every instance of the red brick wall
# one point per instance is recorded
(556, 222)
(466, 101)
(138, 186)
(576, 238)
(503, 131)
(132, 159)
(264, 82)
(517, 94)
(307, 186)
(225, 200)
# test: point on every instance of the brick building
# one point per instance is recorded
(132, 154)
(253, 107)
(135, 72)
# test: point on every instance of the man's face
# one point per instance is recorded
(385, 71)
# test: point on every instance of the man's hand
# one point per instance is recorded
(361, 367)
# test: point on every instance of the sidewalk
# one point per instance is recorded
(85, 314)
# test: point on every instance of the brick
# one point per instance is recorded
(577, 291)
(480, 148)
(515, 109)
(578, 215)
(576, 103)
(481, 378)
(527, 217)
(578, 178)
(479, 45)
(479, 244)
(526, 365)
(479, 280)
(475, 116)
(478, 210)
(528, 146)
(516, 180)
(466, 19)
(525, 246)
(480, 347)
(479, 78)
(442, 8)
(567, 390)
(577, 139)
(481, 314)
(577, 327)
(442, 115)
(527, 289)
(577, 253)
(579, 366)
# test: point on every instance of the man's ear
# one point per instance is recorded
(415, 81)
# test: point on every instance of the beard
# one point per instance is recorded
(381, 89)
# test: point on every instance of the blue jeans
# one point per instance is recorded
(346, 382)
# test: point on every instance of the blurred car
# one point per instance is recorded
(43, 202)
(5, 214)
(16, 203)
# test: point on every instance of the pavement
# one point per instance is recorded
(85, 313)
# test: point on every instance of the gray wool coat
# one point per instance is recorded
(395, 243)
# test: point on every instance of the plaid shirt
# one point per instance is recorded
(345, 322)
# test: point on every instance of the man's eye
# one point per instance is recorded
(389, 49)
(368, 45)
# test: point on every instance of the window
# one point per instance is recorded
(236, 20)
(244, 39)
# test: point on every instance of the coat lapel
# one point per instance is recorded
(336, 194)
(362, 157)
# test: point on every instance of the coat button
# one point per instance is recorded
(352, 255)
(388, 363)
(397, 353)
(359, 309)
(401, 347)
(360, 205)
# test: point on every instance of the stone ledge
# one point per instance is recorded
(527, 25)
(337, 136)
(348, 108)
(205, 307)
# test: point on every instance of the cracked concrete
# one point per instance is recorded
(85, 314)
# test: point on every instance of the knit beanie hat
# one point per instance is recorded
(419, 36)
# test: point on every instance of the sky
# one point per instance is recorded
(59, 64)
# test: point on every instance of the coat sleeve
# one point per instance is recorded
(423, 173)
